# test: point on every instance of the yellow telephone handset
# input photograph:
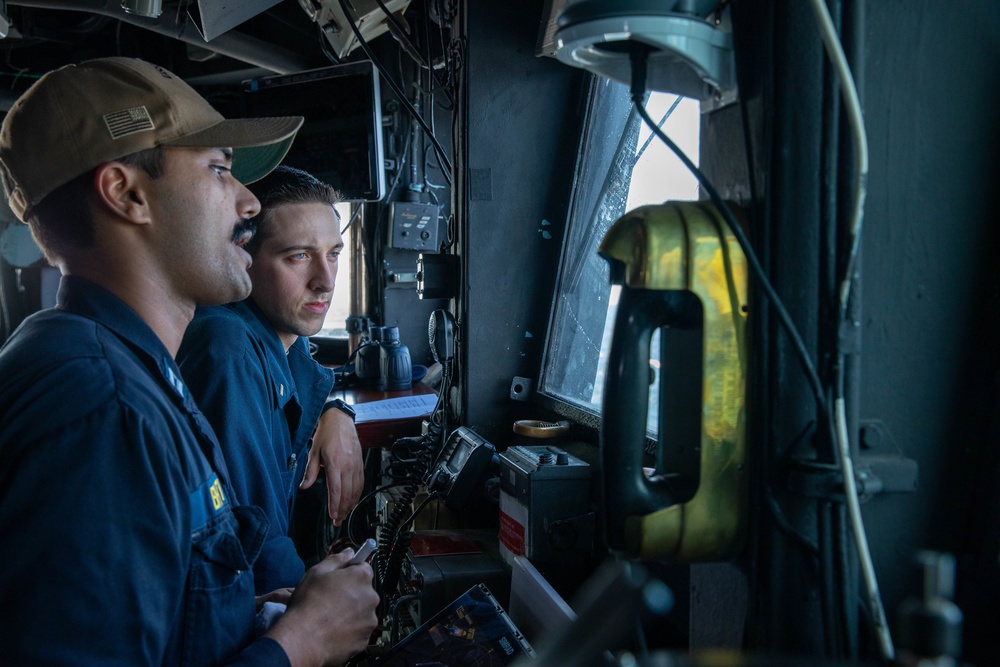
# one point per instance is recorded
(680, 267)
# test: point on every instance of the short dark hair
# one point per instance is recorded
(286, 185)
(62, 220)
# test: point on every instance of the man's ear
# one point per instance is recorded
(121, 189)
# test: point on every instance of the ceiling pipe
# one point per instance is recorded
(232, 44)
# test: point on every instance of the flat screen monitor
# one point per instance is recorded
(340, 141)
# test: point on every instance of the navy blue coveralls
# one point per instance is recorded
(121, 541)
(264, 406)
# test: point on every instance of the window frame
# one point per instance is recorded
(586, 218)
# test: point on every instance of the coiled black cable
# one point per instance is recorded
(394, 535)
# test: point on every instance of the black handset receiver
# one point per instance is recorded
(441, 335)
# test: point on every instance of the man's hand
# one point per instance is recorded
(336, 448)
(282, 596)
(331, 614)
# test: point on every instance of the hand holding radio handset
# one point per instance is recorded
(341, 571)
(335, 600)
(334, 603)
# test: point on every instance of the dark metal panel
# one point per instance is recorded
(930, 368)
(522, 137)
(930, 304)
(780, 62)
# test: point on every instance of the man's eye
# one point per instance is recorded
(220, 169)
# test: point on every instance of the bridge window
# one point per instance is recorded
(621, 166)
(335, 324)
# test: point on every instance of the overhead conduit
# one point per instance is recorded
(176, 25)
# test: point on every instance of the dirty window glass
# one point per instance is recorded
(621, 166)
(335, 323)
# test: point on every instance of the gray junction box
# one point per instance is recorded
(544, 505)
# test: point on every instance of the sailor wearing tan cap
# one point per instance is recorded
(122, 539)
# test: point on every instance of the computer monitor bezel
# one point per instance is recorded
(317, 93)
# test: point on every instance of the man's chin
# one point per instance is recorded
(311, 327)
(242, 290)
(312, 331)
(237, 291)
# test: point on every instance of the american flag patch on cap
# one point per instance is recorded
(128, 121)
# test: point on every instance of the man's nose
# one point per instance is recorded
(247, 204)
(324, 276)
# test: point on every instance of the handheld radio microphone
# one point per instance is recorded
(441, 335)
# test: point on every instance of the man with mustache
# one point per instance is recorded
(249, 368)
(123, 540)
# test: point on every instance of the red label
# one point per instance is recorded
(511, 534)
(444, 544)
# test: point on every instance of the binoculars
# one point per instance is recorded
(383, 362)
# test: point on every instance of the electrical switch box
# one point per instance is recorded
(414, 226)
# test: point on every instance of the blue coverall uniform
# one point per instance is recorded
(264, 405)
(121, 540)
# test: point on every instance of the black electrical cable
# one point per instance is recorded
(434, 82)
(354, 216)
(788, 529)
(433, 91)
(848, 591)
(324, 47)
(380, 221)
(439, 149)
(400, 167)
(387, 535)
(401, 36)
(428, 183)
(828, 580)
(638, 59)
(438, 418)
(371, 258)
(776, 512)
(649, 139)
(396, 621)
(420, 508)
(448, 61)
(397, 31)
(394, 535)
(364, 499)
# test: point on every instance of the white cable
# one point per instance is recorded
(852, 105)
(864, 555)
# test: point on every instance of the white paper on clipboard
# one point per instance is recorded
(394, 408)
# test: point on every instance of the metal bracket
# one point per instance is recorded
(878, 468)
(521, 388)
(872, 477)
(402, 277)
(358, 324)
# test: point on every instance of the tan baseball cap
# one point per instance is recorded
(78, 117)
